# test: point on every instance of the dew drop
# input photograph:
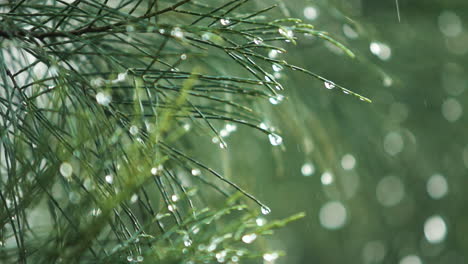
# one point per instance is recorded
(276, 67)
(174, 198)
(249, 238)
(435, 229)
(140, 258)
(66, 170)
(275, 139)
(276, 99)
(109, 178)
(130, 258)
(287, 33)
(265, 210)
(103, 98)
(133, 130)
(225, 21)
(260, 221)
(258, 41)
(177, 33)
(273, 54)
(329, 85)
(183, 56)
(196, 172)
(326, 178)
(270, 257)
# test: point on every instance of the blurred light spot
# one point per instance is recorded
(465, 156)
(451, 109)
(387, 81)
(332, 215)
(311, 12)
(109, 178)
(411, 259)
(270, 257)
(349, 32)
(450, 24)
(437, 186)
(348, 162)
(307, 169)
(453, 78)
(326, 178)
(390, 191)
(393, 143)
(373, 252)
(435, 229)
(134, 130)
(381, 50)
(103, 98)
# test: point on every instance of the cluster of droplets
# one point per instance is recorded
(136, 259)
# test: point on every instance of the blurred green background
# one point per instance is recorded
(381, 182)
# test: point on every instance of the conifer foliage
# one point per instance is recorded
(99, 103)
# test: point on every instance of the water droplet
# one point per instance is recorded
(276, 99)
(225, 21)
(307, 169)
(263, 126)
(134, 198)
(172, 207)
(187, 241)
(186, 126)
(96, 212)
(154, 171)
(103, 98)
(265, 210)
(109, 178)
(231, 127)
(196, 172)
(258, 41)
(174, 198)
(276, 67)
(260, 221)
(224, 133)
(287, 33)
(349, 32)
(435, 229)
(129, 258)
(140, 258)
(311, 13)
(272, 54)
(177, 33)
(66, 170)
(270, 257)
(381, 50)
(134, 130)
(183, 56)
(275, 139)
(329, 85)
(249, 238)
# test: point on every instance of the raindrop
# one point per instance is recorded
(66, 170)
(174, 198)
(275, 139)
(140, 258)
(260, 221)
(329, 85)
(183, 56)
(333, 215)
(287, 33)
(311, 13)
(435, 229)
(133, 130)
(187, 241)
(171, 207)
(103, 98)
(380, 50)
(186, 126)
(154, 171)
(265, 210)
(177, 33)
(196, 172)
(134, 198)
(307, 169)
(270, 257)
(276, 99)
(231, 127)
(272, 54)
(276, 67)
(225, 21)
(130, 258)
(249, 238)
(258, 41)
(437, 186)
(109, 179)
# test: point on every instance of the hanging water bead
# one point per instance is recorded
(171, 207)
(249, 238)
(276, 67)
(103, 98)
(287, 33)
(66, 170)
(140, 259)
(276, 99)
(225, 21)
(177, 33)
(273, 53)
(329, 85)
(196, 172)
(258, 41)
(130, 258)
(174, 198)
(183, 56)
(133, 130)
(109, 178)
(275, 139)
(265, 210)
